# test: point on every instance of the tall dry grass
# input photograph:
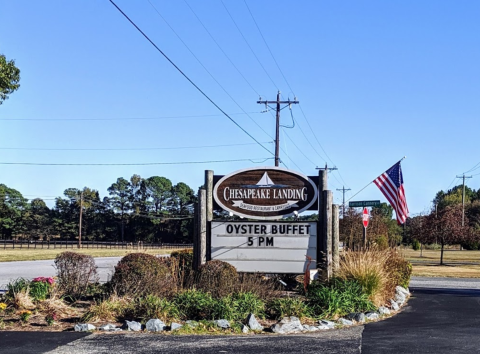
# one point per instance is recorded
(377, 271)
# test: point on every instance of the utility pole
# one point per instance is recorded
(326, 169)
(80, 222)
(277, 125)
(463, 197)
(343, 190)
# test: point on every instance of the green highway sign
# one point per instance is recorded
(364, 203)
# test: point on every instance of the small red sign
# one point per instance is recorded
(366, 217)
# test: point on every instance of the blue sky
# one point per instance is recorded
(376, 80)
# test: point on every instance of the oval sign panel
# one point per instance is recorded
(265, 193)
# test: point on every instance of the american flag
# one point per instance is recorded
(391, 185)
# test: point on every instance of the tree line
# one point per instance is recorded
(139, 209)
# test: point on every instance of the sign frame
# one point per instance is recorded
(311, 200)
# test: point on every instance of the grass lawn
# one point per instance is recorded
(10, 255)
(458, 264)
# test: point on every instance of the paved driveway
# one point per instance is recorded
(32, 269)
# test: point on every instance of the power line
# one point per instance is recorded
(221, 49)
(131, 149)
(125, 118)
(186, 77)
(266, 44)
(133, 164)
(251, 49)
(204, 67)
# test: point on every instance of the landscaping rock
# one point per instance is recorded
(326, 323)
(356, 316)
(84, 327)
(174, 326)
(244, 329)
(344, 322)
(222, 323)
(132, 326)
(382, 310)
(395, 306)
(400, 298)
(191, 323)
(359, 317)
(402, 290)
(253, 323)
(287, 325)
(372, 316)
(323, 327)
(109, 328)
(155, 325)
(310, 328)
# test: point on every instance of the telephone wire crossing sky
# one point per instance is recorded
(391, 185)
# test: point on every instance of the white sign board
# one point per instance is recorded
(267, 247)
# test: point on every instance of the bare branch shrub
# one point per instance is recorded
(75, 272)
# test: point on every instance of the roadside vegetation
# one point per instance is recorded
(144, 287)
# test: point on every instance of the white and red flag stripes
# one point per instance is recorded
(391, 185)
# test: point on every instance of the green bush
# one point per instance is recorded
(217, 277)
(247, 303)
(141, 274)
(224, 308)
(194, 304)
(471, 246)
(75, 272)
(288, 306)
(381, 242)
(337, 298)
(152, 306)
(415, 244)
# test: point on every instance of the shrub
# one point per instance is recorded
(400, 271)
(367, 268)
(337, 298)
(141, 274)
(217, 277)
(194, 304)
(415, 244)
(75, 271)
(288, 306)
(184, 260)
(152, 306)
(381, 242)
(257, 284)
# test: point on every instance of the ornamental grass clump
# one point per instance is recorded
(368, 268)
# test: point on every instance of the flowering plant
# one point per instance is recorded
(25, 315)
(51, 318)
(48, 280)
(41, 287)
(3, 306)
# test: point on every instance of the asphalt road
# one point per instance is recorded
(444, 318)
(46, 268)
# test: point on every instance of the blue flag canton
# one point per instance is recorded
(395, 174)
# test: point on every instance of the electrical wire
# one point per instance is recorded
(133, 164)
(131, 149)
(124, 118)
(186, 77)
(205, 68)
(221, 49)
(251, 49)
